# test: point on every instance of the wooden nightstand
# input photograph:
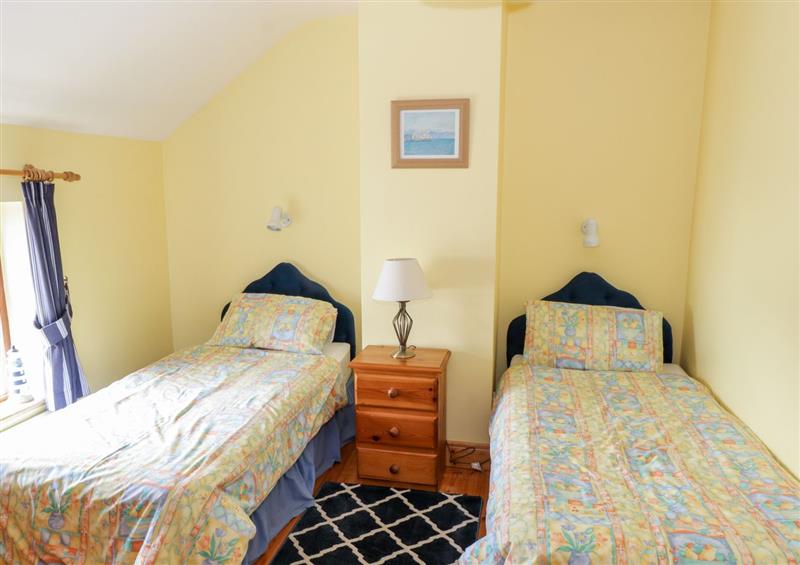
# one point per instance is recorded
(400, 414)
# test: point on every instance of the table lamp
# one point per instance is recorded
(401, 280)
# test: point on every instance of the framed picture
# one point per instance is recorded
(430, 133)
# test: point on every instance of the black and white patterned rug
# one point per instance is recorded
(392, 526)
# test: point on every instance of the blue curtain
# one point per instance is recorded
(64, 379)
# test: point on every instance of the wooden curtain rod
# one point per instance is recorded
(29, 172)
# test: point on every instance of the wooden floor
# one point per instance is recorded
(455, 480)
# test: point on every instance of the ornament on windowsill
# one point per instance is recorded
(16, 376)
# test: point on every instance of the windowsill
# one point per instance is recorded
(13, 412)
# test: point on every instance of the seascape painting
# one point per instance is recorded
(430, 134)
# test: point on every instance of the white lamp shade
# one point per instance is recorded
(401, 280)
(590, 236)
(279, 220)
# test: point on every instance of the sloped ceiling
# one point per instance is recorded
(132, 69)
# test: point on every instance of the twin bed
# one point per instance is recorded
(621, 466)
(205, 455)
(201, 457)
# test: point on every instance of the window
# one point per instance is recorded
(5, 335)
(20, 302)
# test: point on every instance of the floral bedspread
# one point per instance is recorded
(165, 465)
(611, 467)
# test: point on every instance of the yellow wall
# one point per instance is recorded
(602, 114)
(742, 310)
(285, 132)
(444, 217)
(577, 109)
(111, 226)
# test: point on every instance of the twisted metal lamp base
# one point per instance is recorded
(402, 323)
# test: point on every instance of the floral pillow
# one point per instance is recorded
(274, 321)
(601, 338)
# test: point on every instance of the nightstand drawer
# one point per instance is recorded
(395, 429)
(395, 391)
(397, 466)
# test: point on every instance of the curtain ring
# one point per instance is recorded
(29, 172)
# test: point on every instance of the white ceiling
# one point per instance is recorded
(132, 68)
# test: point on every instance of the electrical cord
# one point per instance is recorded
(457, 456)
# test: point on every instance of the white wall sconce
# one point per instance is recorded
(590, 235)
(279, 219)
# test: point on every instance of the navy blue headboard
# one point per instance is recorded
(584, 288)
(287, 279)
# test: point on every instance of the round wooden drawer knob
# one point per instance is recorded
(393, 393)
(394, 469)
(394, 431)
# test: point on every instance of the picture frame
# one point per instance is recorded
(430, 133)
